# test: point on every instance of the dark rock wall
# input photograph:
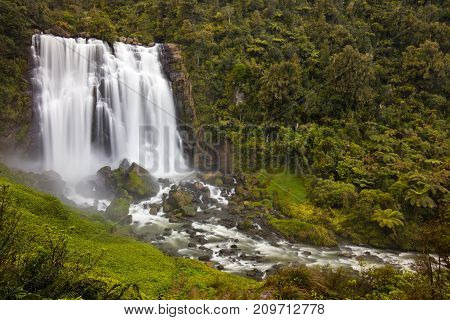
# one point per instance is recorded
(175, 70)
(201, 153)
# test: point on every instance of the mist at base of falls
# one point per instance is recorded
(97, 106)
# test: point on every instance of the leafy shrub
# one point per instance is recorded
(374, 283)
(296, 283)
(297, 230)
(388, 218)
(332, 194)
(98, 25)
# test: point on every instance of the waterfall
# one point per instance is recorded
(97, 106)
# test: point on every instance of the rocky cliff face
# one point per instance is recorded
(175, 71)
(16, 114)
(202, 154)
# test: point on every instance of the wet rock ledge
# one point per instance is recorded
(175, 70)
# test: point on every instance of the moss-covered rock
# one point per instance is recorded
(134, 181)
(245, 225)
(299, 231)
(218, 182)
(106, 181)
(117, 211)
(177, 199)
(139, 182)
(189, 210)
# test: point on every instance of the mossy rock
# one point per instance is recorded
(177, 199)
(139, 182)
(236, 209)
(218, 182)
(211, 177)
(106, 176)
(189, 210)
(242, 193)
(117, 211)
(299, 231)
(245, 225)
(134, 181)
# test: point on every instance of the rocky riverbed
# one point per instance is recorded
(213, 218)
(206, 230)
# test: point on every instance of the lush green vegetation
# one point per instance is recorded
(48, 250)
(369, 283)
(300, 221)
(353, 93)
(350, 96)
(289, 187)
(298, 230)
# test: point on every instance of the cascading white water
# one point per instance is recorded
(97, 107)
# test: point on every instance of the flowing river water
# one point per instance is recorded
(97, 105)
(235, 251)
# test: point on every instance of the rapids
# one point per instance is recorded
(97, 105)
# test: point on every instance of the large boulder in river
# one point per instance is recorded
(118, 210)
(201, 192)
(106, 180)
(177, 199)
(189, 211)
(139, 182)
(132, 180)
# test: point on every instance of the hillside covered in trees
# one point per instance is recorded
(350, 97)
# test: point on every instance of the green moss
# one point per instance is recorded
(265, 203)
(118, 210)
(177, 199)
(122, 258)
(289, 187)
(136, 181)
(245, 225)
(43, 205)
(218, 182)
(297, 230)
(136, 185)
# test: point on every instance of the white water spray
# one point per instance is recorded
(97, 107)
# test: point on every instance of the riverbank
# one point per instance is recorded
(111, 260)
(214, 232)
(117, 266)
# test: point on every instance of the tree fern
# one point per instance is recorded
(388, 218)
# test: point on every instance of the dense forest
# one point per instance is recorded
(350, 97)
